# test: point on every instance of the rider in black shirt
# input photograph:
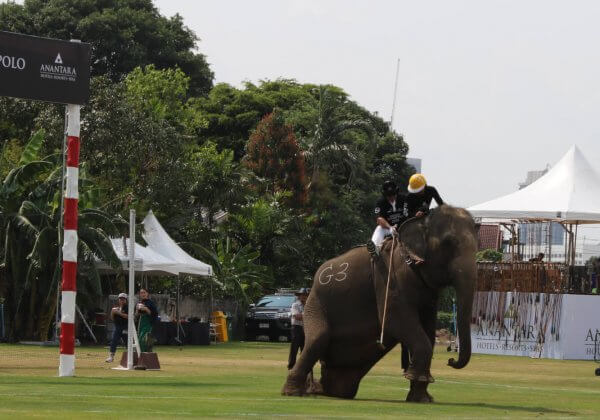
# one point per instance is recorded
(390, 212)
(420, 195)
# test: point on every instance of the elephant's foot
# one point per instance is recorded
(294, 385)
(418, 393)
(412, 375)
(313, 387)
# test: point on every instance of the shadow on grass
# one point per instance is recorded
(544, 410)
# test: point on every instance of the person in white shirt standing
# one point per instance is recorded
(297, 312)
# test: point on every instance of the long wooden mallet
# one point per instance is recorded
(387, 288)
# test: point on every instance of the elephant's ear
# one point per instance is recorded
(412, 235)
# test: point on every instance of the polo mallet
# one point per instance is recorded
(387, 287)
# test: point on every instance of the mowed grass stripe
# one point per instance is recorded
(239, 380)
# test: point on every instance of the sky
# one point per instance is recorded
(487, 90)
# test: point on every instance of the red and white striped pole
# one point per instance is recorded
(69, 249)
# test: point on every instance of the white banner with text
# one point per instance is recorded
(536, 325)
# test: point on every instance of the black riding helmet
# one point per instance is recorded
(389, 188)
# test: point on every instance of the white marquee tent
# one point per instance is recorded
(161, 256)
(146, 261)
(160, 242)
(569, 193)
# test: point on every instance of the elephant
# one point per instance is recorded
(344, 311)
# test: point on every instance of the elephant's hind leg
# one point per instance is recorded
(316, 342)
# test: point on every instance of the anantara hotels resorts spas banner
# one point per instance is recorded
(45, 69)
(555, 326)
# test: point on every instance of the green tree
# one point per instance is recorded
(217, 183)
(232, 113)
(236, 269)
(339, 139)
(17, 119)
(135, 159)
(489, 255)
(274, 155)
(124, 34)
(9, 157)
(29, 204)
(163, 95)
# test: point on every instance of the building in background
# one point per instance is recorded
(533, 176)
(415, 163)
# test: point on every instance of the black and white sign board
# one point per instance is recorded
(45, 69)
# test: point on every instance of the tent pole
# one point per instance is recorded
(130, 311)
(574, 253)
(211, 304)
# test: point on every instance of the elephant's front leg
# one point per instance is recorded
(428, 317)
(419, 371)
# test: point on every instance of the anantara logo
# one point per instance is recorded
(592, 342)
(507, 337)
(13, 63)
(58, 71)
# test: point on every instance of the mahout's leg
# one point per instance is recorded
(405, 360)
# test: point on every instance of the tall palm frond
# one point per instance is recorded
(31, 152)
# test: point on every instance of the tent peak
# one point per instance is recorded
(568, 192)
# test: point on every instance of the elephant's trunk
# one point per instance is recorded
(464, 294)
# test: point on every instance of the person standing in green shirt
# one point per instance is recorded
(148, 314)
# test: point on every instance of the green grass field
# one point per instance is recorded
(239, 380)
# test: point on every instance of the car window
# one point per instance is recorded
(276, 302)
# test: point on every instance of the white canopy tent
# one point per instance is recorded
(146, 260)
(161, 256)
(569, 193)
(161, 243)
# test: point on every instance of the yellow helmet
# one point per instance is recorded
(416, 183)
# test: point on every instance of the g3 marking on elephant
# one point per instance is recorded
(338, 276)
(342, 325)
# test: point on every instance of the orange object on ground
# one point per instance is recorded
(220, 325)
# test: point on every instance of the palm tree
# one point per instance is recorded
(331, 142)
(236, 270)
(29, 219)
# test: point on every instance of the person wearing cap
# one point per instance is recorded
(420, 195)
(297, 312)
(119, 316)
(390, 211)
